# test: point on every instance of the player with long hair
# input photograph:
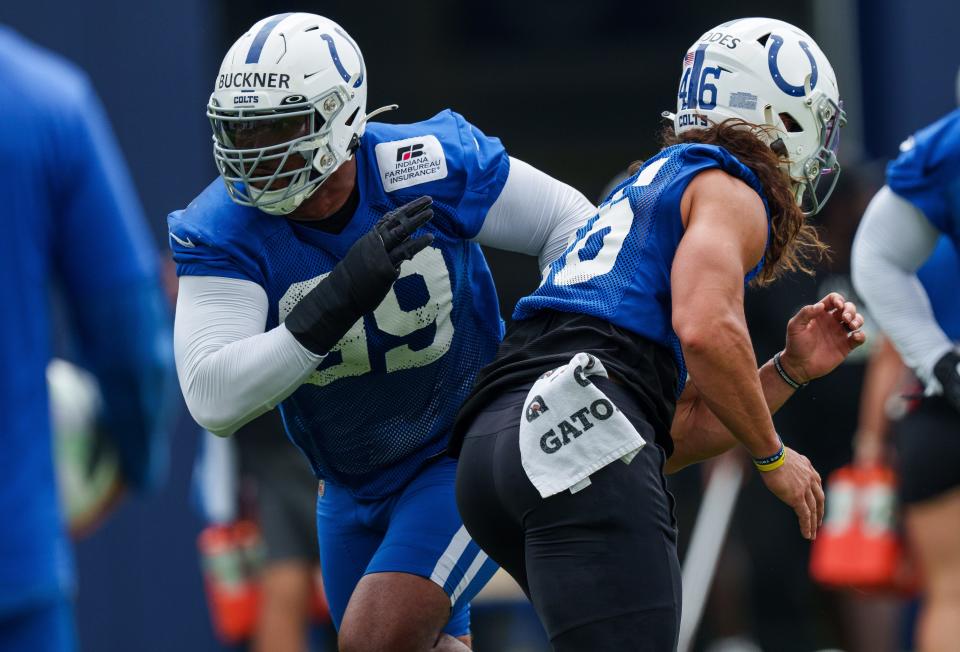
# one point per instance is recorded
(563, 441)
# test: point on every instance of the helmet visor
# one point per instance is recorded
(265, 156)
(264, 151)
(267, 132)
(275, 156)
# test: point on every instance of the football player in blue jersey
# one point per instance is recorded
(901, 228)
(71, 220)
(652, 286)
(317, 274)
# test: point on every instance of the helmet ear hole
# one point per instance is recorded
(779, 148)
(353, 115)
(763, 39)
(792, 124)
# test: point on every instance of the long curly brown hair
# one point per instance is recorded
(794, 244)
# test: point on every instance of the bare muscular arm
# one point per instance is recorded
(726, 232)
(819, 337)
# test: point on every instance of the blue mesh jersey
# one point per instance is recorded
(617, 267)
(927, 173)
(940, 277)
(385, 397)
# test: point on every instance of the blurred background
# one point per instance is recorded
(576, 89)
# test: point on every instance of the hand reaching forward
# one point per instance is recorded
(821, 336)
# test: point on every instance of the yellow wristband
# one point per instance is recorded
(773, 462)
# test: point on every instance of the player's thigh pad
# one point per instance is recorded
(426, 537)
(604, 560)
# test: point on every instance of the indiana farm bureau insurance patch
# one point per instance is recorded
(409, 162)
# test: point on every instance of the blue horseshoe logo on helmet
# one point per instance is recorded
(790, 89)
(336, 57)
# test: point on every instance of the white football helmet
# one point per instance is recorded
(288, 108)
(773, 75)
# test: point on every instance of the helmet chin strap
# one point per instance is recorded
(383, 109)
(355, 140)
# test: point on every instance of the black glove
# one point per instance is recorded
(947, 371)
(361, 280)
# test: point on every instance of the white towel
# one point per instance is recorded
(570, 429)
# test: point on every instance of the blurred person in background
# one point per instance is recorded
(71, 222)
(317, 274)
(940, 278)
(282, 494)
(909, 220)
(258, 477)
(652, 285)
(900, 427)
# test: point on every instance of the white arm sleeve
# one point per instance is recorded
(893, 240)
(535, 214)
(230, 370)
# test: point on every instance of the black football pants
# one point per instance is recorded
(600, 566)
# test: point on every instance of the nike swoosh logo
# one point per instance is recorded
(183, 243)
(312, 74)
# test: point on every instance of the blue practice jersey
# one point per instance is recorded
(618, 266)
(383, 400)
(70, 218)
(927, 173)
(940, 277)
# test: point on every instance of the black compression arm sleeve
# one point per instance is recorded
(356, 286)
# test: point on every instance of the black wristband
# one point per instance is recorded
(783, 372)
(359, 282)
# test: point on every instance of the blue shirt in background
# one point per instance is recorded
(70, 219)
(927, 174)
